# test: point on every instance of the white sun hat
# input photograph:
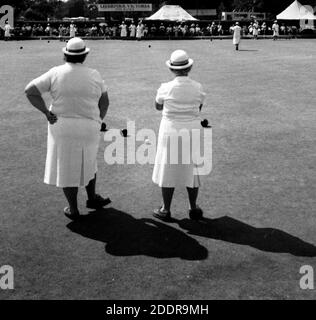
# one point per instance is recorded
(179, 60)
(76, 47)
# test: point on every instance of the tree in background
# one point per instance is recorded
(43, 9)
(77, 8)
(248, 5)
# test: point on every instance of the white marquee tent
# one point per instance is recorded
(171, 13)
(297, 11)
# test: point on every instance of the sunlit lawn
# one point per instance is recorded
(260, 195)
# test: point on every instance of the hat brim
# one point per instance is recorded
(87, 50)
(185, 66)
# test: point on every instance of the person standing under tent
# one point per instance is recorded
(132, 30)
(153, 30)
(162, 29)
(237, 35)
(72, 30)
(275, 29)
(220, 29)
(192, 30)
(264, 28)
(250, 29)
(176, 29)
(145, 31)
(198, 30)
(184, 30)
(139, 31)
(7, 31)
(213, 29)
(48, 30)
(123, 28)
(114, 31)
(255, 30)
(169, 30)
(94, 31)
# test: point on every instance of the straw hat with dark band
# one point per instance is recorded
(179, 60)
(76, 47)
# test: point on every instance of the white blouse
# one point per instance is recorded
(75, 89)
(181, 99)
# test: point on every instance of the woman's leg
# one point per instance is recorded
(167, 194)
(71, 196)
(193, 194)
(95, 201)
(90, 188)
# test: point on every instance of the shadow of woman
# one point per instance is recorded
(126, 236)
(265, 239)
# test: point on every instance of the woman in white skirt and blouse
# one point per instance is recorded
(80, 102)
(180, 101)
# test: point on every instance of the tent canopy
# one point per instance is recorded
(171, 13)
(296, 11)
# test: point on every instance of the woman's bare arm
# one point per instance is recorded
(35, 98)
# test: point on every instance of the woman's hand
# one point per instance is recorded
(51, 117)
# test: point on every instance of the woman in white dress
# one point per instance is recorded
(7, 31)
(72, 30)
(139, 31)
(180, 101)
(275, 29)
(237, 35)
(255, 31)
(123, 27)
(79, 103)
(132, 30)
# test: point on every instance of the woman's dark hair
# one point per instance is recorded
(75, 59)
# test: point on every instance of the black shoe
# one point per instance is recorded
(72, 216)
(163, 215)
(98, 202)
(196, 214)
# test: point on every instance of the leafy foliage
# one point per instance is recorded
(43, 9)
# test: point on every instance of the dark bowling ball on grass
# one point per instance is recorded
(21, 48)
(204, 123)
(149, 46)
(124, 133)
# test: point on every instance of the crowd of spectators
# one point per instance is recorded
(256, 28)
(143, 29)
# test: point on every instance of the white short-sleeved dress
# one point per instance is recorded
(123, 30)
(132, 31)
(255, 29)
(237, 34)
(7, 31)
(275, 29)
(174, 163)
(73, 141)
(139, 31)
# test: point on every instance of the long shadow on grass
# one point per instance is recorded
(265, 239)
(125, 235)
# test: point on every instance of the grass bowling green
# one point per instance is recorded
(259, 201)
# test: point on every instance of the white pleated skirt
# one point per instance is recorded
(174, 164)
(72, 147)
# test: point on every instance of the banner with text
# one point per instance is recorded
(115, 7)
